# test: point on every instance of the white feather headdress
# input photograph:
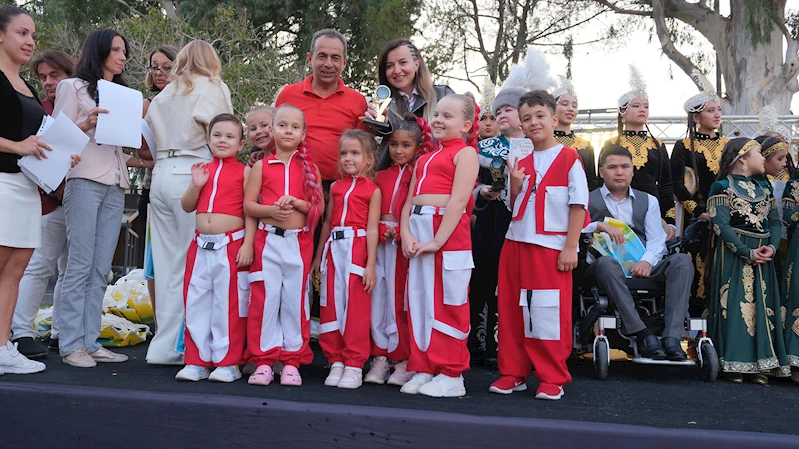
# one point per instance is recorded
(566, 87)
(532, 75)
(489, 93)
(707, 93)
(637, 88)
(770, 122)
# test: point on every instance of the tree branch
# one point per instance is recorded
(667, 45)
(544, 33)
(630, 12)
(476, 15)
(130, 8)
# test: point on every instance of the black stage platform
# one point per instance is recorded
(136, 405)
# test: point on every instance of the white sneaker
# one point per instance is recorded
(193, 373)
(12, 362)
(103, 355)
(225, 374)
(401, 375)
(378, 371)
(444, 387)
(413, 385)
(351, 379)
(336, 371)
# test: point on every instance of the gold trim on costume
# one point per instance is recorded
(748, 147)
(573, 141)
(671, 213)
(748, 305)
(710, 148)
(639, 147)
(689, 206)
(700, 285)
(723, 293)
(774, 148)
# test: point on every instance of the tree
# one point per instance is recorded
(289, 24)
(498, 32)
(757, 68)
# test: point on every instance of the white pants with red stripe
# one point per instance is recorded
(344, 305)
(278, 323)
(216, 299)
(438, 291)
(389, 323)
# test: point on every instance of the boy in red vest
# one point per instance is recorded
(549, 195)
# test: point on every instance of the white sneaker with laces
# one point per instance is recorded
(336, 371)
(12, 362)
(378, 371)
(103, 355)
(413, 385)
(351, 379)
(225, 374)
(444, 387)
(401, 375)
(193, 373)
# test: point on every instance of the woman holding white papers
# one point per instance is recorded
(20, 228)
(179, 118)
(94, 198)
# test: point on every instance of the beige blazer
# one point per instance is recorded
(98, 162)
(179, 120)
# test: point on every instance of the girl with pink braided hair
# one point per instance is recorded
(285, 193)
(389, 324)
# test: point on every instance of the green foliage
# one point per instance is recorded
(759, 16)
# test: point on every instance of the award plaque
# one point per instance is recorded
(381, 100)
(497, 169)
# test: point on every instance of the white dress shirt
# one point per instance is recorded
(653, 227)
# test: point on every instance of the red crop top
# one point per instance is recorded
(224, 191)
(389, 181)
(435, 171)
(351, 197)
(279, 179)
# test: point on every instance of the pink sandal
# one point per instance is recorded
(263, 375)
(290, 376)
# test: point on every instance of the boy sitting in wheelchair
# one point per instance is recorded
(641, 212)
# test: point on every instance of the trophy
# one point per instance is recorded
(380, 100)
(497, 169)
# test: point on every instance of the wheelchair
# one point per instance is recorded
(594, 316)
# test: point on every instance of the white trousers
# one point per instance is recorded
(171, 232)
(40, 269)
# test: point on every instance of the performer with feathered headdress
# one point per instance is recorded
(652, 171)
(493, 216)
(488, 123)
(566, 110)
(694, 166)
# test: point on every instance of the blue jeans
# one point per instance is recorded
(93, 215)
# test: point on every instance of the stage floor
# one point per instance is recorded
(654, 396)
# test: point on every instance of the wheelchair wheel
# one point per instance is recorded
(710, 362)
(601, 359)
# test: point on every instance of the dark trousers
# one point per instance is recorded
(676, 271)
(316, 281)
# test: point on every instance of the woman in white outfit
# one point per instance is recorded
(179, 117)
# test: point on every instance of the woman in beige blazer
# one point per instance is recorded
(179, 118)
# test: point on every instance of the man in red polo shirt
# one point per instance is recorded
(329, 106)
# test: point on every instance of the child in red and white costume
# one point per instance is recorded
(549, 194)
(216, 291)
(347, 261)
(390, 332)
(436, 236)
(285, 194)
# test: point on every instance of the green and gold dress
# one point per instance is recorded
(790, 312)
(744, 305)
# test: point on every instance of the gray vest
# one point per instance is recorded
(599, 210)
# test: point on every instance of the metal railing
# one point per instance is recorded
(600, 125)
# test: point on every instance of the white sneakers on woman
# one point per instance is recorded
(12, 362)
(378, 371)
(413, 385)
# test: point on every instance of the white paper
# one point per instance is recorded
(65, 138)
(520, 148)
(148, 136)
(122, 124)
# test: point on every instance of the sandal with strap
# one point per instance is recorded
(290, 376)
(263, 375)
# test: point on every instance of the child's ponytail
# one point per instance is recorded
(311, 185)
(426, 135)
(472, 137)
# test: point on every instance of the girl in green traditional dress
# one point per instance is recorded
(790, 313)
(744, 305)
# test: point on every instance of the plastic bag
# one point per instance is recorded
(116, 331)
(43, 322)
(130, 299)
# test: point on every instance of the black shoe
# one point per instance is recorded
(30, 348)
(650, 348)
(673, 349)
(53, 344)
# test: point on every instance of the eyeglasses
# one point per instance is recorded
(163, 70)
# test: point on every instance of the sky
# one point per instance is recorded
(600, 76)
